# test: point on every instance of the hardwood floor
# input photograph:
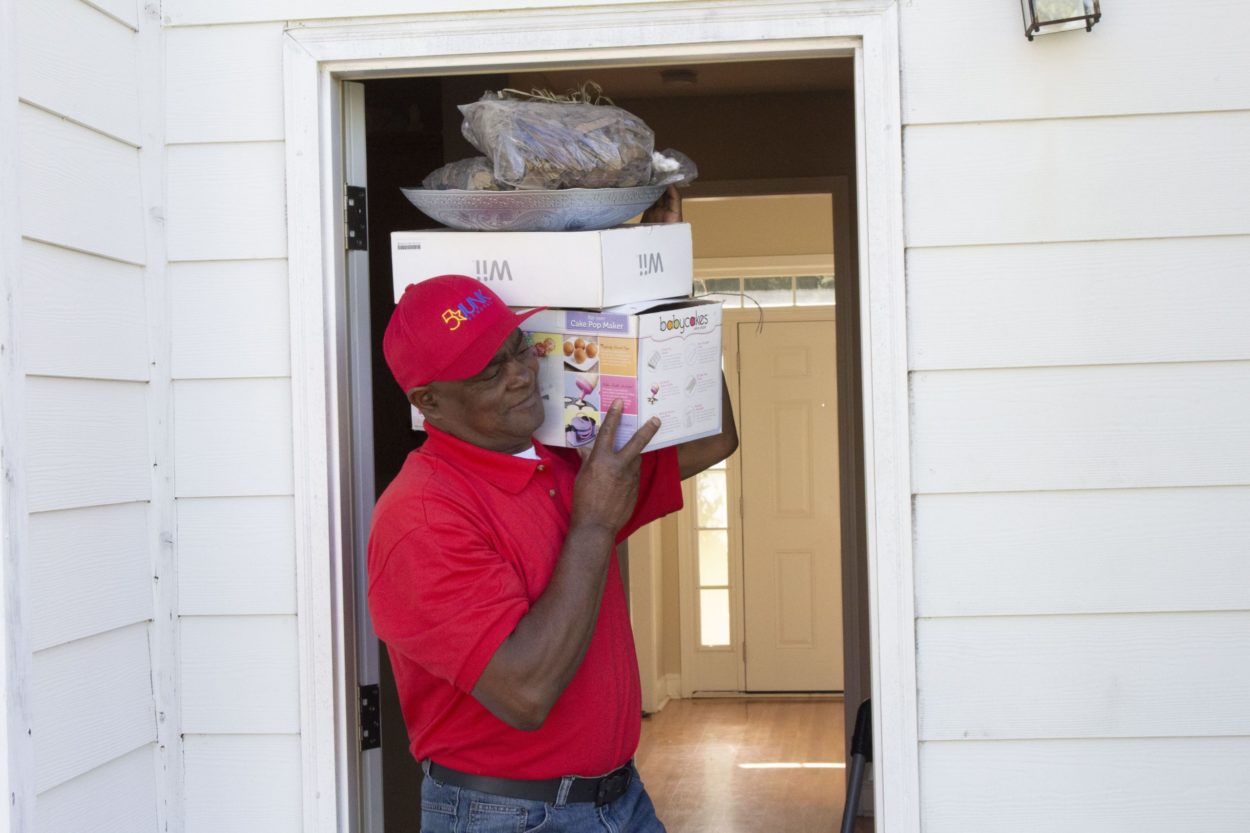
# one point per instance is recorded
(745, 766)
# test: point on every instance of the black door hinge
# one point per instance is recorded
(356, 218)
(370, 717)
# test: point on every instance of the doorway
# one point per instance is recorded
(761, 128)
(319, 56)
(759, 542)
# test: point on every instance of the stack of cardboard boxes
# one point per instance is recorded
(619, 324)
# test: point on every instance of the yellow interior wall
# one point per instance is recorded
(794, 224)
(729, 227)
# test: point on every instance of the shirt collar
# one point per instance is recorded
(507, 471)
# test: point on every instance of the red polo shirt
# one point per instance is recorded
(464, 540)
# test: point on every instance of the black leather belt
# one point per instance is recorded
(601, 790)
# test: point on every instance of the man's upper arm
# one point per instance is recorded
(442, 597)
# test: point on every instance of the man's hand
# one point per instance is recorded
(607, 486)
(667, 209)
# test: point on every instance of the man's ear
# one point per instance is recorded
(424, 399)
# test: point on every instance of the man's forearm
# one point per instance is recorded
(534, 665)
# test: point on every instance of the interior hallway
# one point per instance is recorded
(729, 766)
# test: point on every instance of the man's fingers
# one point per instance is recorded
(607, 431)
(673, 197)
(641, 437)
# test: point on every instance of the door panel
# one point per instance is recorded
(790, 535)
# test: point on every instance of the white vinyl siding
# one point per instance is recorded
(1077, 179)
(125, 12)
(1078, 234)
(117, 797)
(201, 12)
(225, 84)
(87, 443)
(83, 334)
(92, 703)
(82, 316)
(1111, 784)
(1106, 302)
(236, 555)
(1085, 676)
(243, 782)
(230, 317)
(97, 85)
(976, 65)
(1097, 427)
(87, 573)
(232, 425)
(232, 437)
(1027, 553)
(78, 188)
(240, 675)
(226, 201)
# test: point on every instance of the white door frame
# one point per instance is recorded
(318, 56)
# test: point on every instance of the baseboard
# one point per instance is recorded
(666, 687)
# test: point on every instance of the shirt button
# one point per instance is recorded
(541, 467)
(551, 492)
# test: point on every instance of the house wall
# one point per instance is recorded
(1078, 234)
(84, 470)
(1076, 223)
(230, 368)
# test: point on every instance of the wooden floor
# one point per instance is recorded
(745, 766)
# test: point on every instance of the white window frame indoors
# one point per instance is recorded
(319, 56)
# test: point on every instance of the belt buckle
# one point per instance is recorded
(612, 787)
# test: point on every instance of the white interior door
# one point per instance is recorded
(791, 557)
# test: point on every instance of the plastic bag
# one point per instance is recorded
(472, 174)
(545, 144)
(672, 167)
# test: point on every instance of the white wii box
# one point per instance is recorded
(571, 269)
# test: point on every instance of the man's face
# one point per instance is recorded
(498, 409)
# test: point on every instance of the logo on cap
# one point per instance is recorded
(466, 310)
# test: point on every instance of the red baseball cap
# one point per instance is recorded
(445, 329)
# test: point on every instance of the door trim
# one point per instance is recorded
(318, 56)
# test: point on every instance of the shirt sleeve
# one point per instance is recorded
(659, 490)
(442, 597)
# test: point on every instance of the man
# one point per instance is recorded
(493, 581)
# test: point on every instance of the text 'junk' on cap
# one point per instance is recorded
(445, 329)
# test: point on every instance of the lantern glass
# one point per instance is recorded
(1044, 17)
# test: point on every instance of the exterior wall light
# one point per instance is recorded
(1043, 17)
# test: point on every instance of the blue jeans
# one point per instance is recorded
(449, 809)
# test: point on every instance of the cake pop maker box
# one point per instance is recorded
(660, 358)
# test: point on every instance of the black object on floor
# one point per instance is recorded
(861, 753)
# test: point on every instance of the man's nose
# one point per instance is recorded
(521, 370)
